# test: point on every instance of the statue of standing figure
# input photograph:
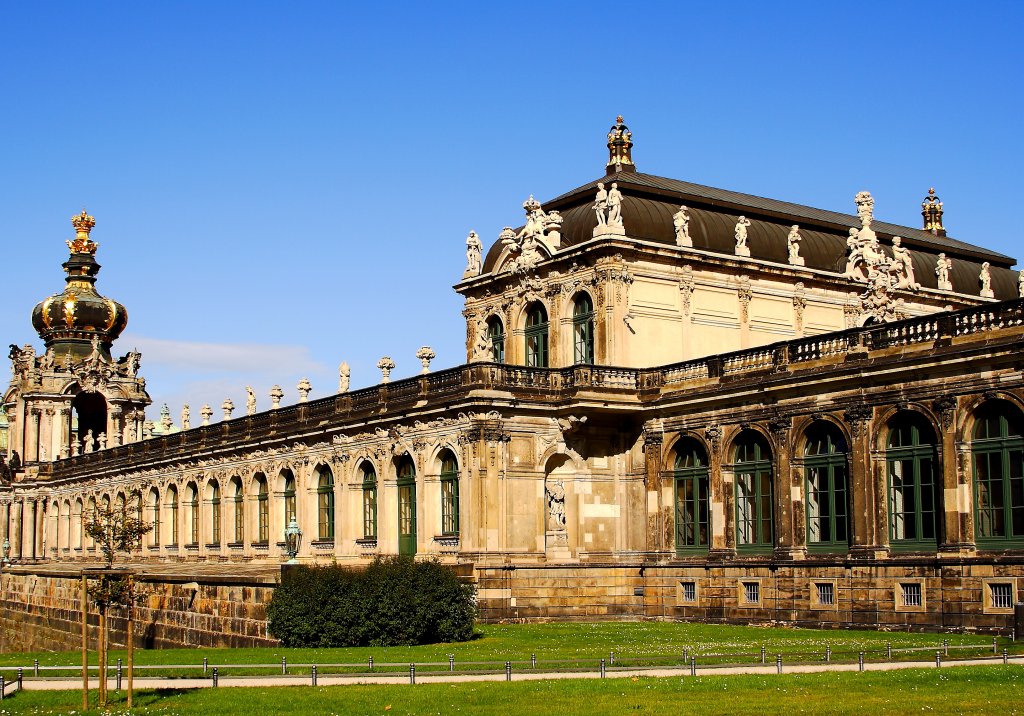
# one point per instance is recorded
(344, 377)
(250, 401)
(741, 236)
(186, 417)
(1020, 284)
(608, 205)
(795, 259)
(474, 254)
(556, 505)
(88, 446)
(986, 282)
(601, 207)
(942, 268)
(614, 207)
(681, 220)
(903, 266)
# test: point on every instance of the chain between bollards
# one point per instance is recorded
(778, 663)
(312, 674)
(508, 671)
(860, 661)
(215, 677)
(412, 673)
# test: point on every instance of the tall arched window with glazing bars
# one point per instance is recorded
(826, 493)
(691, 497)
(496, 337)
(369, 502)
(755, 530)
(154, 506)
(289, 499)
(262, 510)
(912, 461)
(998, 450)
(536, 336)
(238, 510)
(449, 495)
(193, 514)
(583, 329)
(215, 513)
(172, 514)
(325, 503)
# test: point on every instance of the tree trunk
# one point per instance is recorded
(103, 657)
(85, 642)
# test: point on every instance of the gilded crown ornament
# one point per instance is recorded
(931, 210)
(620, 148)
(82, 244)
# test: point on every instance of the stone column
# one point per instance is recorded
(864, 539)
(64, 416)
(788, 501)
(5, 521)
(18, 510)
(722, 513)
(41, 528)
(114, 426)
(28, 528)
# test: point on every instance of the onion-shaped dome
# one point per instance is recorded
(73, 320)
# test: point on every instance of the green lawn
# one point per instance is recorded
(961, 690)
(563, 645)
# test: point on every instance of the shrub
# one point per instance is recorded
(394, 601)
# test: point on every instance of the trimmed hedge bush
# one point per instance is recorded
(394, 601)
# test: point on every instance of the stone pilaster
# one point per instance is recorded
(788, 496)
(865, 536)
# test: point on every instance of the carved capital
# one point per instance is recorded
(945, 405)
(713, 434)
(858, 416)
(779, 426)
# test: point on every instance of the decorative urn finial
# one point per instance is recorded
(931, 210)
(620, 148)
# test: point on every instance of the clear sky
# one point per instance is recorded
(280, 186)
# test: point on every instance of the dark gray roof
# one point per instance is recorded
(698, 193)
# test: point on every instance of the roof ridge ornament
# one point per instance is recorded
(620, 148)
(931, 210)
(82, 244)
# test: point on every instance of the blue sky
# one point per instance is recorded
(280, 186)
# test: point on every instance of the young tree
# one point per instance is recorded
(115, 530)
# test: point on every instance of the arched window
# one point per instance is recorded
(754, 499)
(369, 502)
(325, 503)
(583, 329)
(172, 514)
(406, 506)
(214, 514)
(193, 513)
(826, 490)
(998, 449)
(238, 508)
(154, 505)
(79, 525)
(911, 458)
(691, 488)
(496, 336)
(289, 498)
(67, 524)
(262, 510)
(536, 336)
(449, 494)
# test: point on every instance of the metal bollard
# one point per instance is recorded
(828, 653)
(888, 651)
(284, 664)
(312, 674)
(533, 660)
(602, 668)
(611, 659)
(451, 662)
(206, 665)
(778, 663)
(3, 686)
(20, 676)
(693, 666)
(945, 647)
(118, 675)
(35, 667)
(215, 677)
(1005, 659)
(994, 648)
(686, 655)
(371, 663)
(412, 673)
(508, 671)
(938, 659)
(860, 661)
(762, 654)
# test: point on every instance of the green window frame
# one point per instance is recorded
(290, 512)
(407, 532)
(262, 511)
(239, 511)
(536, 336)
(693, 525)
(325, 504)
(496, 336)
(156, 519)
(755, 513)
(172, 508)
(826, 489)
(998, 451)
(912, 468)
(369, 502)
(583, 329)
(215, 514)
(449, 496)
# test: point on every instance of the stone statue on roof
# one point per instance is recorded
(741, 236)
(474, 254)
(793, 240)
(615, 209)
(1020, 284)
(986, 281)
(681, 222)
(942, 268)
(601, 207)
(902, 266)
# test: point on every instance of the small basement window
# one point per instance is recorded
(911, 594)
(1001, 594)
(826, 593)
(689, 591)
(752, 592)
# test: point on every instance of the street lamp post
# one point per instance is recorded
(292, 535)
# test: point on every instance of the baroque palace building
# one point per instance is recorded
(678, 402)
